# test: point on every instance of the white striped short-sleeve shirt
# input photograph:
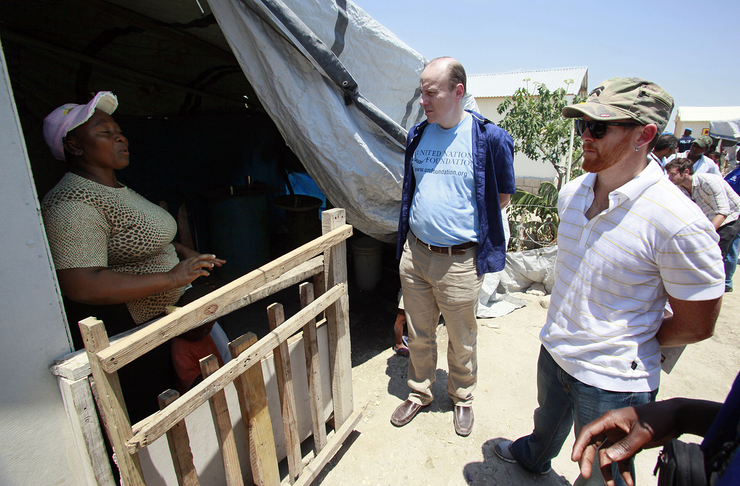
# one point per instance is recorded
(715, 196)
(613, 275)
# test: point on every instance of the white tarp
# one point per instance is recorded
(532, 271)
(725, 129)
(342, 90)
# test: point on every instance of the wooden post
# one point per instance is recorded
(250, 386)
(112, 405)
(177, 438)
(283, 373)
(314, 468)
(313, 372)
(87, 429)
(337, 317)
(222, 421)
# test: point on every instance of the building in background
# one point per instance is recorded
(697, 118)
(490, 90)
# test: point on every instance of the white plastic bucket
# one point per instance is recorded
(368, 253)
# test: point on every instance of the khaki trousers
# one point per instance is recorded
(436, 283)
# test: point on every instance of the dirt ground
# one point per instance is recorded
(427, 451)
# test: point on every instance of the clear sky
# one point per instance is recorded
(688, 48)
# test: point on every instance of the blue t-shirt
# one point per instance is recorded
(733, 179)
(724, 433)
(443, 210)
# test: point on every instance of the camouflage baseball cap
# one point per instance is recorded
(705, 141)
(625, 99)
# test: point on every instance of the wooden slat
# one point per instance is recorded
(177, 438)
(312, 471)
(112, 405)
(222, 421)
(153, 427)
(250, 387)
(75, 366)
(319, 286)
(83, 418)
(284, 375)
(304, 271)
(216, 304)
(313, 372)
(337, 317)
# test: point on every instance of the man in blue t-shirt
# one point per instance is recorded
(733, 179)
(458, 177)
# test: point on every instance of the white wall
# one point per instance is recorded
(695, 126)
(524, 167)
(37, 444)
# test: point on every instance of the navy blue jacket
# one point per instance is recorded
(493, 171)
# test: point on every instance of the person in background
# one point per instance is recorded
(628, 241)
(716, 198)
(695, 154)
(192, 346)
(458, 176)
(401, 346)
(618, 435)
(733, 179)
(665, 147)
(684, 143)
(113, 250)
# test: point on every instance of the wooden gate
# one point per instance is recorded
(324, 259)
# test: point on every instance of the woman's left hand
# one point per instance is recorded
(191, 268)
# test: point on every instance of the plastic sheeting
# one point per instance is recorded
(725, 129)
(342, 90)
(529, 270)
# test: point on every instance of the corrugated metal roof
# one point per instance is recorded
(706, 113)
(504, 84)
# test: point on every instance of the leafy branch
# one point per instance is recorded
(535, 122)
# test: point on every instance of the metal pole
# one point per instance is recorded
(570, 150)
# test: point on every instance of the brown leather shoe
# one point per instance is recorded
(463, 420)
(405, 412)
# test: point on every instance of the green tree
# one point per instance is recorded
(536, 123)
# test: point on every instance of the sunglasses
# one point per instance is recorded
(598, 128)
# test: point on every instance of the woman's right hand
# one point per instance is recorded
(191, 268)
(103, 286)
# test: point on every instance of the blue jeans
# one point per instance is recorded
(564, 402)
(731, 260)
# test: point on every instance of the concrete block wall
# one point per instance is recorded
(529, 184)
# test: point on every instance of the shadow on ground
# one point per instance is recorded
(353, 436)
(495, 471)
(397, 372)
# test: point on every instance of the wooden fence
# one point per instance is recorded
(324, 260)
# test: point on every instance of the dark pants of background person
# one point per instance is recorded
(731, 261)
(563, 401)
(727, 233)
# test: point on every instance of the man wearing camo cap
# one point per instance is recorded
(702, 163)
(629, 241)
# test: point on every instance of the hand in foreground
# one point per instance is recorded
(620, 434)
(191, 268)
